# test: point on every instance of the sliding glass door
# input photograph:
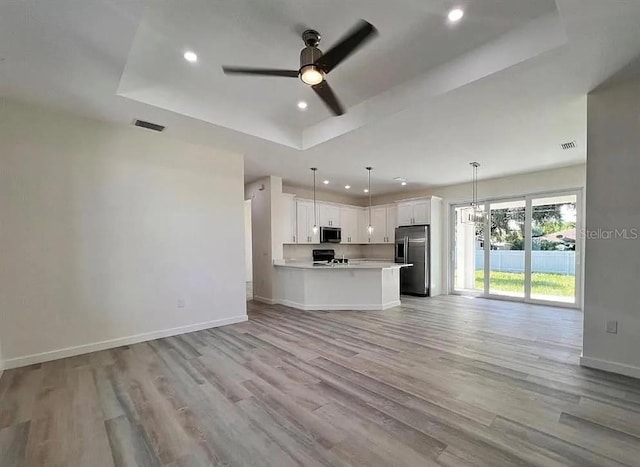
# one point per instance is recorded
(527, 249)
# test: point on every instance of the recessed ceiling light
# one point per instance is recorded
(326, 182)
(190, 56)
(302, 105)
(456, 15)
(366, 190)
(347, 187)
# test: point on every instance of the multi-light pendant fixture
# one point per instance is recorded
(474, 214)
(370, 228)
(315, 212)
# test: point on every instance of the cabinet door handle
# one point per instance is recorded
(294, 239)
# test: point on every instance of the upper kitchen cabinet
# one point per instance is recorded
(329, 215)
(305, 221)
(416, 212)
(349, 224)
(288, 216)
(383, 221)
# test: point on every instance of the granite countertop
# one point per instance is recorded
(352, 264)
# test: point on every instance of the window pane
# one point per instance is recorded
(506, 268)
(469, 254)
(553, 248)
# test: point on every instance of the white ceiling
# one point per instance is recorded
(504, 87)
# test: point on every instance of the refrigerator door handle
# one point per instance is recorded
(406, 249)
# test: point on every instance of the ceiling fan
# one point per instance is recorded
(314, 65)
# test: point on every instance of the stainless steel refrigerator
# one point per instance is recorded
(413, 246)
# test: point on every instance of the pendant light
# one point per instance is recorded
(315, 212)
(473, 214)
(370, 228)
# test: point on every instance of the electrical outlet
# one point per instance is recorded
(180, 303)
(612, 327)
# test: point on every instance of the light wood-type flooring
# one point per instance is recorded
(443, 381)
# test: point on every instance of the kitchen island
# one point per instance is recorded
(359, 285)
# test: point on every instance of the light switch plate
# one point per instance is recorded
(612, 327)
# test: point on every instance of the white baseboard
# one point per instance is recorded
(110, 344)
(612, 367)
(304, 307)
(268, 301)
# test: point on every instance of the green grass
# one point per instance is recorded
(557, 285)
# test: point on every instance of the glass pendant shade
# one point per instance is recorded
(474, 214)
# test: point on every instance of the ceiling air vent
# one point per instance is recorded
(569, 145)
(148, 125)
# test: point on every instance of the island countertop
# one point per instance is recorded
(356, 264)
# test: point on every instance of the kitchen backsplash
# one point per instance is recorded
(378, 251)
(304, 252)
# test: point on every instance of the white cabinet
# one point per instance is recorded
(379, 224)
(383, 221)
(349, 223)
(363, 223)
(305, 221)
(405, 214)
(392, 223)
(288, 216)
(329, 215)
(422, 212)
(416, 212)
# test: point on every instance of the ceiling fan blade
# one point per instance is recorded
(328, 97)
(229, 70)
(356, 37)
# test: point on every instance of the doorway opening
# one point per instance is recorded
(248, 250)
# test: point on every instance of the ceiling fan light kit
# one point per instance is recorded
(314, 65)
(311, 75)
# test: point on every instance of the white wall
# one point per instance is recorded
(328, 196)
(248, 249)
(103, 228)
(612, 269)
(522, 184)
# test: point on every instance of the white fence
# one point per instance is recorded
(557, 262)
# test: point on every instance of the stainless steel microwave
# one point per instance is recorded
(330, 235)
